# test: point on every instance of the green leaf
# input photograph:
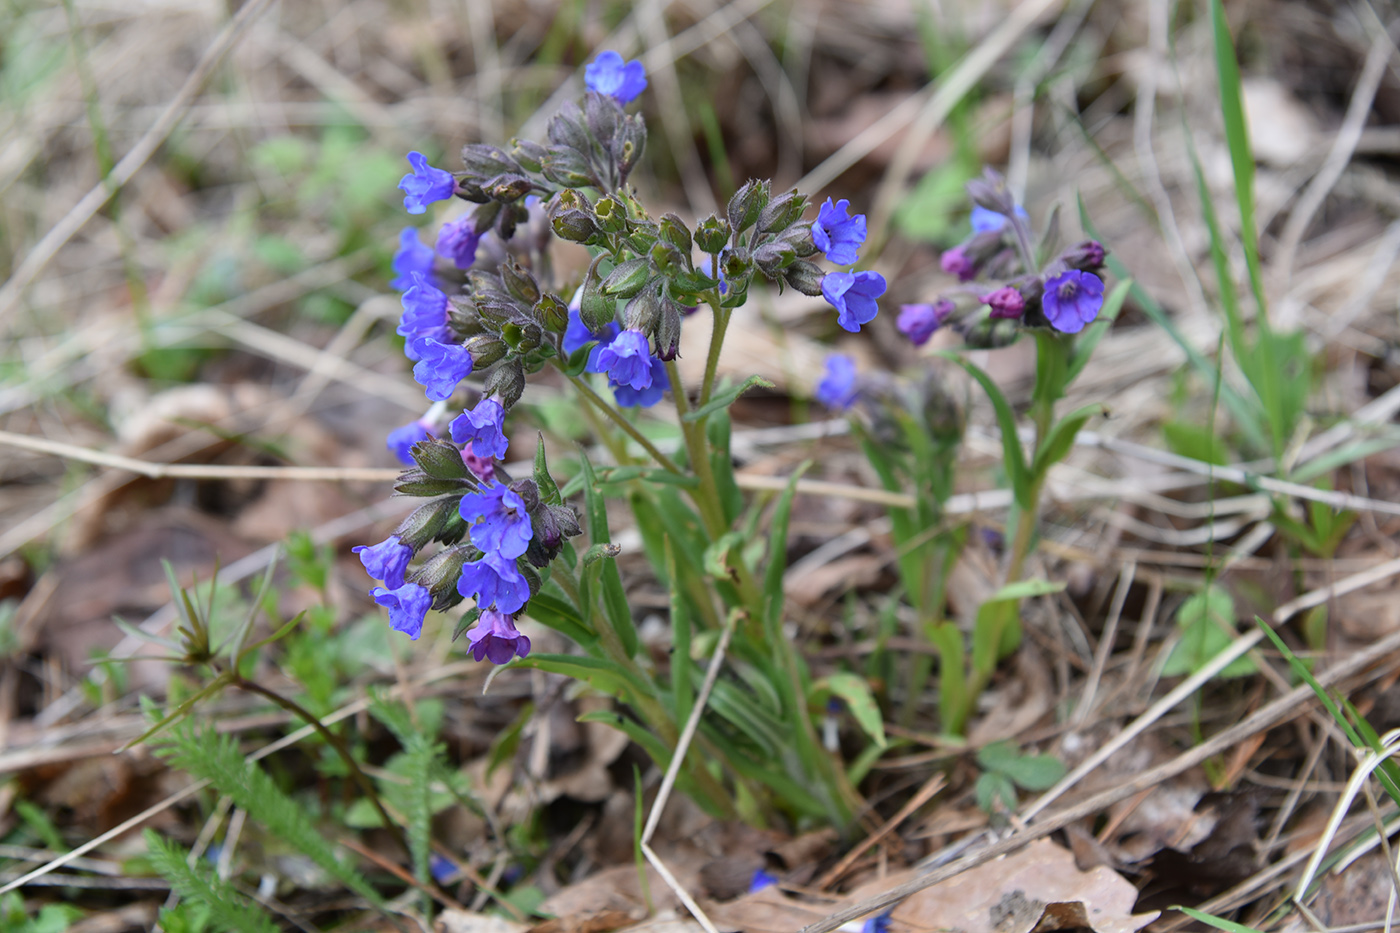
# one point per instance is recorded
(997, 630)
(1220, 923)
(635, 731)
(725, 397)
(1195, 441)
(1207, 621)
(227, 909)
(855, 691)
(1058, 442)
(948, 641)
(603, 675)
(993, 787)
(1035, 772)
(549, 490)
(1014, 457)
(773, 597)
(615, 608)
(1237, 136)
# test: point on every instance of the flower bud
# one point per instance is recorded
(551, 311)
(482, 161)
(674, 231)
(1005, 302)
(419, 483)
(628, 145)
(990, 191)
(667, 259)
(668, 331)
(519, 282)
(508, 187)
(992, 333)
(512, 215)
(805, 276)
(1086, 257)
(712, 234)
(595, 309)
(506, 382)
(522, 336)
(575, 226)
(643, 312)
(799, 237)
(611, 215)
(552, 524)
(425, 522)
(772, 258)
(439, 459)
(781, 212)
(747, 204)
(566, 129)
(569, 168)
(527, 153)
(439, 575)
(602, 114)
(528, 492)
(626, 279)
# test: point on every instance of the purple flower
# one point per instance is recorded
(627, 360)
(986, 220)
(424, 310)
(494, 580)
(424, 184)
(838, 235)
(628, 397)
(1072, 299)
(496, 638)
(505, 528)
(1006, 302)
(386, 561)
(483, 467)
(482, 428)
(955, 261)
(880, 923)
(608, 74)
(401, 440)
(853, 295)
(440, 367)
(407, 606)
(442, 868)
(413, 256)
(837, 390)
(457, 241)
(918, 322)
(761, 879)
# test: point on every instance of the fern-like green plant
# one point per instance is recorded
(216, 758)
(424, 763)
(228, 910)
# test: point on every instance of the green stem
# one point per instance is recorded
(616, 417)
(706, 494)
(720, 327)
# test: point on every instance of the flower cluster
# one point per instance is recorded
(483, 306)
(1063, 295)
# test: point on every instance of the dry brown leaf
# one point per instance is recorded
(466, 921)
(1037, 889)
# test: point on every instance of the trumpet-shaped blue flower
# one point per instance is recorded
(838, 234)
(407, 606)
(505, 527)
(440, 366)
(577, 335)
(1072, 299)
(986, 220)
(482, 428)
(853, 296)
(424, 311)
(413, 256)
(495, 638)
(627, 360)
(628, 397)
(494, 580)
(386, 561)
(401, 440)
(457, 241)
(837, 390)
(609, 74)
(424, 184)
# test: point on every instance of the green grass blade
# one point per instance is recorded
(227, 909)
(1241, 156)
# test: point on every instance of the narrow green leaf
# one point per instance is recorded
(1012, 454)
(602, 674)
(1220, 923)
(773, 598)
(1061, 437)
(726, 396)
(615, 608)
(549, 490)
(855, 691)
(1241, 154)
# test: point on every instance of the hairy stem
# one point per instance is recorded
(616, 417)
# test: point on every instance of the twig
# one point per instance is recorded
(145, 147)
(932, 786)
(668, 781)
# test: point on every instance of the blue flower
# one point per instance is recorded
(918, 322)
(986, 220)
(424, 184)
(628, 397)
(853, 296)
(837, 390)
(627, 360)
(880, 923)
(1006, 302)
(1072, 299)
(494, 580)
(481, 427)
(401, 440)
(407, 606)
(838, 235)
(413, 256)
(386, 561)
(440, 366)
(457, 241)
(505, 528)
(442, 868)
(761, 879)
(609, 75)
(424, 310)
(495, 637)
(577, 335)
